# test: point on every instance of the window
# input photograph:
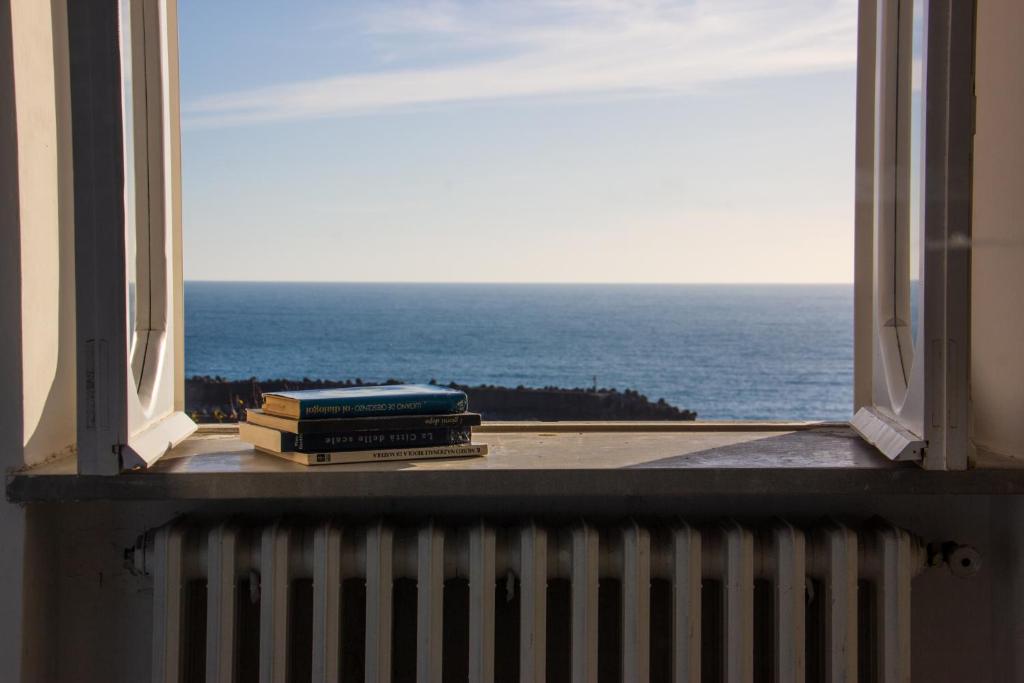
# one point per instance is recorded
(127, 214)
(917, 288)
(417, 141)
(912, 150)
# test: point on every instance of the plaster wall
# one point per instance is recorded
(99, 617)
(1008, 565)
(997, 334)
(37, 405)
(47, 237)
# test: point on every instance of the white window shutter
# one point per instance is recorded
(912, 296)
(125, 128)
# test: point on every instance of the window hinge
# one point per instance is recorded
(892, 439)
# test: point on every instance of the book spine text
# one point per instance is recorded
(370, 407)
(358, 441)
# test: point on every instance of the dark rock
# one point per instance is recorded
(215, 399)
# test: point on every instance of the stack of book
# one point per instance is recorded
(363, 424)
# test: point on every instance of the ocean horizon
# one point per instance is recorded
(726, 351)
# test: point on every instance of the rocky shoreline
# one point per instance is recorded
(215, 399)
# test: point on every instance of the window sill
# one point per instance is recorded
(600, 461)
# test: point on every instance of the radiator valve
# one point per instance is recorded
(963, 560)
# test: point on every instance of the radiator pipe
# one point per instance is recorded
(508, 558)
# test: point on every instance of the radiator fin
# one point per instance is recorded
(327, 581)
(636, 603)
(896, 570)
(275, 583)
(430, 604)
(221, 608)
(585, 566)
(841, 572)
(379, 588)
(739, 604)
(533, 618)
(482, 574)
(686, 607)
(790, 578)
(168, 599)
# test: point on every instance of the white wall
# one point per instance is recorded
(47, 237)
(997, 335)
(37, 409)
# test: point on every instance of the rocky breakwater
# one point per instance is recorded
(214, 399)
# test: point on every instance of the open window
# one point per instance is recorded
(128, 232)
(914, 132)
(913, 229)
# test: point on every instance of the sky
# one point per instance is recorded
(526, 141)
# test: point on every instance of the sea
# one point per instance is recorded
(746, 352)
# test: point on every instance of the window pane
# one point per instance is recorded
(916, 209)
(130, 203)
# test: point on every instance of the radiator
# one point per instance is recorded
(330, 601)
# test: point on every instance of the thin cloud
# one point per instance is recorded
(552, 48)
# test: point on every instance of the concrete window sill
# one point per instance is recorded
(637, 466)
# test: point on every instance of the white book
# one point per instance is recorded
(343, 457)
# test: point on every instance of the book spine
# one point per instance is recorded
(398, 422)
(366, 424)
(361, 441)
(394, 454)
(379, 407)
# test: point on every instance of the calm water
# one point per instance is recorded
(726, 351)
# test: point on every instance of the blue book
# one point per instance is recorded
(368, 401)
(286, 442)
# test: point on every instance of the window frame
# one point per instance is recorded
(928, 421)
(127, 417)
(118, 430)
